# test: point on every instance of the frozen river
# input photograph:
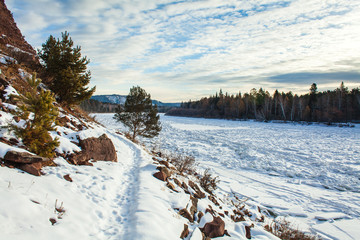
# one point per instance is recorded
(308, 174)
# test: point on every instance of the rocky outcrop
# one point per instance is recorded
(12, 42)
(96, 149)
(25, 161)
(10, 33)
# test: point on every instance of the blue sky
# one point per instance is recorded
(181, 50)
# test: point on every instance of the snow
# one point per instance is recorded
(9, 90)
(310, 173)
(4, 59)
(122, 200)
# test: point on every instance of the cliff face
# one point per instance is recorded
(10, 33)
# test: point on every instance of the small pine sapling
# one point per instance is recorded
(139, 115)
(39, 113)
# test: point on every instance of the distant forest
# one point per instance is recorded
(94, 106)
(339, 105)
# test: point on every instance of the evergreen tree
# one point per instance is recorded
(66, 69)
(35, 131)
(139, 115)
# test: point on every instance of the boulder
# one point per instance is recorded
(160, 175)
(165, 170)
(23, 157)
(97, 149)
(32, 168)
(214, 229)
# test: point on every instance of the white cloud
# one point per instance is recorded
(184, 49)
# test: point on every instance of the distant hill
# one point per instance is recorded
(120, 99)
(114, 98)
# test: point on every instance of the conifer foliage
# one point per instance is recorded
(38, 112)
(139, 115)
(339, 105)
(66, 69)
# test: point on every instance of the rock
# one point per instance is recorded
(23, 157)
(210, 210)
(32, 168)
(185, 213)
(214, 229)
(97, 149)
(185, 187)
(160, 175)
(213, 199)
(193, 208)
(68, 178)
(177, 182)
(52, 220)
(198, 193)
(185, 232)
(200, 215)
(13, 141)
(165, 170)
(165, 163)
(248, 232)
(171, 186)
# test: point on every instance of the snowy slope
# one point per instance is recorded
(110, 200)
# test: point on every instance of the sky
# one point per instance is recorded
(180, 50)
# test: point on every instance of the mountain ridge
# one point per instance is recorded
(120, 99)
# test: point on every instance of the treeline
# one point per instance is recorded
(94, 106)
(339, 105)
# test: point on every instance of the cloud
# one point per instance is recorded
(301, 77)
(180, 49)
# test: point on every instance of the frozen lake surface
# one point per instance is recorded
(308, 174)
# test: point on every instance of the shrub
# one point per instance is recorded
(284, 231)
(35, 133)
(208, 182)
(183, 163)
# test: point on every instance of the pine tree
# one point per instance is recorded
(39, 113)
(139, 115)
(66, 69)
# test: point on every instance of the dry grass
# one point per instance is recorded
(182, 162)
(285, 232)
(208, 182)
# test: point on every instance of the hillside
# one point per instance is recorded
(120, 99)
